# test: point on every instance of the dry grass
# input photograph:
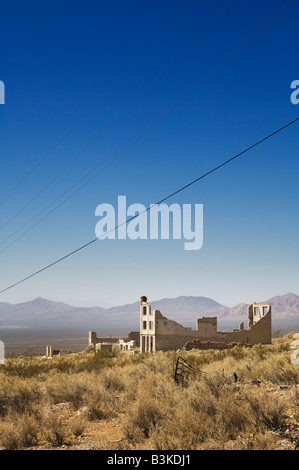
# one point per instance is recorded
(51, 403)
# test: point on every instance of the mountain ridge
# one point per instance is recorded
(44, 313)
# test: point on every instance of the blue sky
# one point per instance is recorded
(59, 58)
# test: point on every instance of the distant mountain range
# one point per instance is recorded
(45, 314)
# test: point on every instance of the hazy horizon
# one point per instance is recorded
(31, 341)
(82, 304)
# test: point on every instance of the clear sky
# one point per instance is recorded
(59, 58)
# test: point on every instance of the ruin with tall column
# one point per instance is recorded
(158, 333)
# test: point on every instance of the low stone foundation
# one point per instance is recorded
(50, 352)
(204, 345)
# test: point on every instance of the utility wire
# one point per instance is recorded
(189, 92)
(153, 205)
(97, 102)
(108, 126)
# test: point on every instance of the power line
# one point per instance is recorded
(118, 116)
(189, 92)
(97, 102)
(154, 205)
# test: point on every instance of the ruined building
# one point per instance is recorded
(158, 333)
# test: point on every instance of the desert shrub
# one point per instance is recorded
(264, 441)
(260, 351)
(142, 420)
(96, 411)
(266, 412)
(198, 358)
(180, 430)
(99, 361)
(153, 400)
(26, 367)
(96, 407)
(28, 427)
(276, 369)
(237, 352)
(221, 401)
(18, 395)
(9, 436)
(113, 381)
(67, 388)
(259, 441)
(54, 428)
(215, 383)
(98, 401)
(19, 431)
(295, 403)
(233, 417)
(77, 425)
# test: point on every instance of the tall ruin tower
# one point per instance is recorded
(147, 327)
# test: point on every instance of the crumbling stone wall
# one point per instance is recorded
(204, 345)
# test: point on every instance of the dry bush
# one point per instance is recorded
(259, 441)
(92, 394)
(180, 430)
(295, 403)
(112, 380)
(25, 367)
(54, 428)
(65, 388)
(28, 427)
(94, 411)
(233, 417)
(267, 413)
(18, 394)
(276, 369)
(9, 436)
(147, 410)
(19, 431)
(77, 425)
(264, 441)
(215, 383)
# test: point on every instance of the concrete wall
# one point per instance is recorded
(134, 336)
(93, 339)
(207, 327)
